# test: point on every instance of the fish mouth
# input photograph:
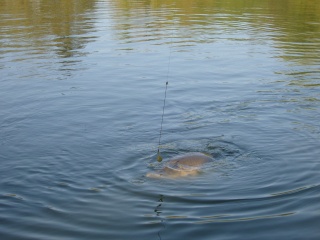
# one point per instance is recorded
(154, 175)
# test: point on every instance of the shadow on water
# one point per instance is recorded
(158, 212)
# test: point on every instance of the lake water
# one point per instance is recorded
(81, 94)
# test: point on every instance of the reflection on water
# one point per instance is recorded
(243, 86)
(37, 29)
(65, 28)
(292, 25)
(290, 28)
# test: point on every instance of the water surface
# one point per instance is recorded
(81, 95)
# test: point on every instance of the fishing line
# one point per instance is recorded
(159, 158)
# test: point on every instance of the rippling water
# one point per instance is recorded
(81, 95)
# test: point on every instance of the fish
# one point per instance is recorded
(185, 165)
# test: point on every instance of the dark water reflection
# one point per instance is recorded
(81, 93)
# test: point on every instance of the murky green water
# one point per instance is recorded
(81, 95)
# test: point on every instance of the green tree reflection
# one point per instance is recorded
(293, 25)
(46, 25)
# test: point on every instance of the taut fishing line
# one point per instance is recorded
(159, 158)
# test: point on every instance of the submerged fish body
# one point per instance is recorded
(182, 166)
